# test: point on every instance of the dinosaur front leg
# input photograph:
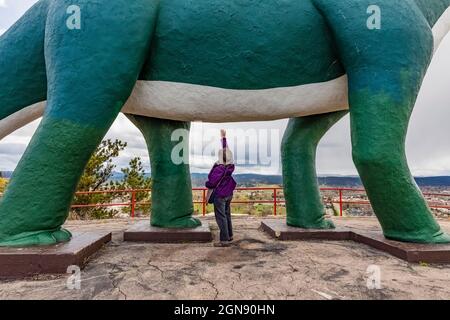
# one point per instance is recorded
(385, 69)
(172, 205)
(90, 76)
(301, 190)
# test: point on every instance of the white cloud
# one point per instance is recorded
(3, 3)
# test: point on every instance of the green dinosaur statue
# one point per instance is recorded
(80, 63)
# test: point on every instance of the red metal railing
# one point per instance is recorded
(132, 204)
(276, 200)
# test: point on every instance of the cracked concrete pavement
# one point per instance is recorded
(255, 267)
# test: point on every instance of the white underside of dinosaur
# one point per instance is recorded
(189, 102)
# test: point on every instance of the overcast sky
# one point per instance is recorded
(428, 143)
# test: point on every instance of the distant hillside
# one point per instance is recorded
(198, 180)
(6, 174)
(443, 181)
(117, 176)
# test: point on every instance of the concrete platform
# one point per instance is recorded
(142, 231)
(280, 230)
(411, 252)
(30, 261)
(256, 266)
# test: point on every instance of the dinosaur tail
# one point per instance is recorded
(23, 80)
(21, 118)
(441, 27)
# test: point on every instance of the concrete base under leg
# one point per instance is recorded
(143, 232)
(280, 230)
(29, 261)
(411, 252)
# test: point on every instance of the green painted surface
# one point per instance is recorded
(241, 44)
(379, 155)
(37, 201)
(172, 205)
(382, 94)
(89, 73)
(301, 190)
(432, 9)
(23, 79)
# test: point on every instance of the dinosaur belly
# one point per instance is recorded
(188, 102)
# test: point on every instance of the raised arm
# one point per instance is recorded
(223, 134)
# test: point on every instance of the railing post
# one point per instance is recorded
(204, 202)
(274, 201)
(133, 203)
(340, 202)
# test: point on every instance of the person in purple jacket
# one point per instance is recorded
(220, 178)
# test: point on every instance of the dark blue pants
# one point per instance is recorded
(222, 212)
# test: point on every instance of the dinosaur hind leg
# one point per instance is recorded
(87, 89)
(171, 180)
(385, 69)
(23, 80)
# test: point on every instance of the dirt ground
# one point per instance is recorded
(255, 267)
